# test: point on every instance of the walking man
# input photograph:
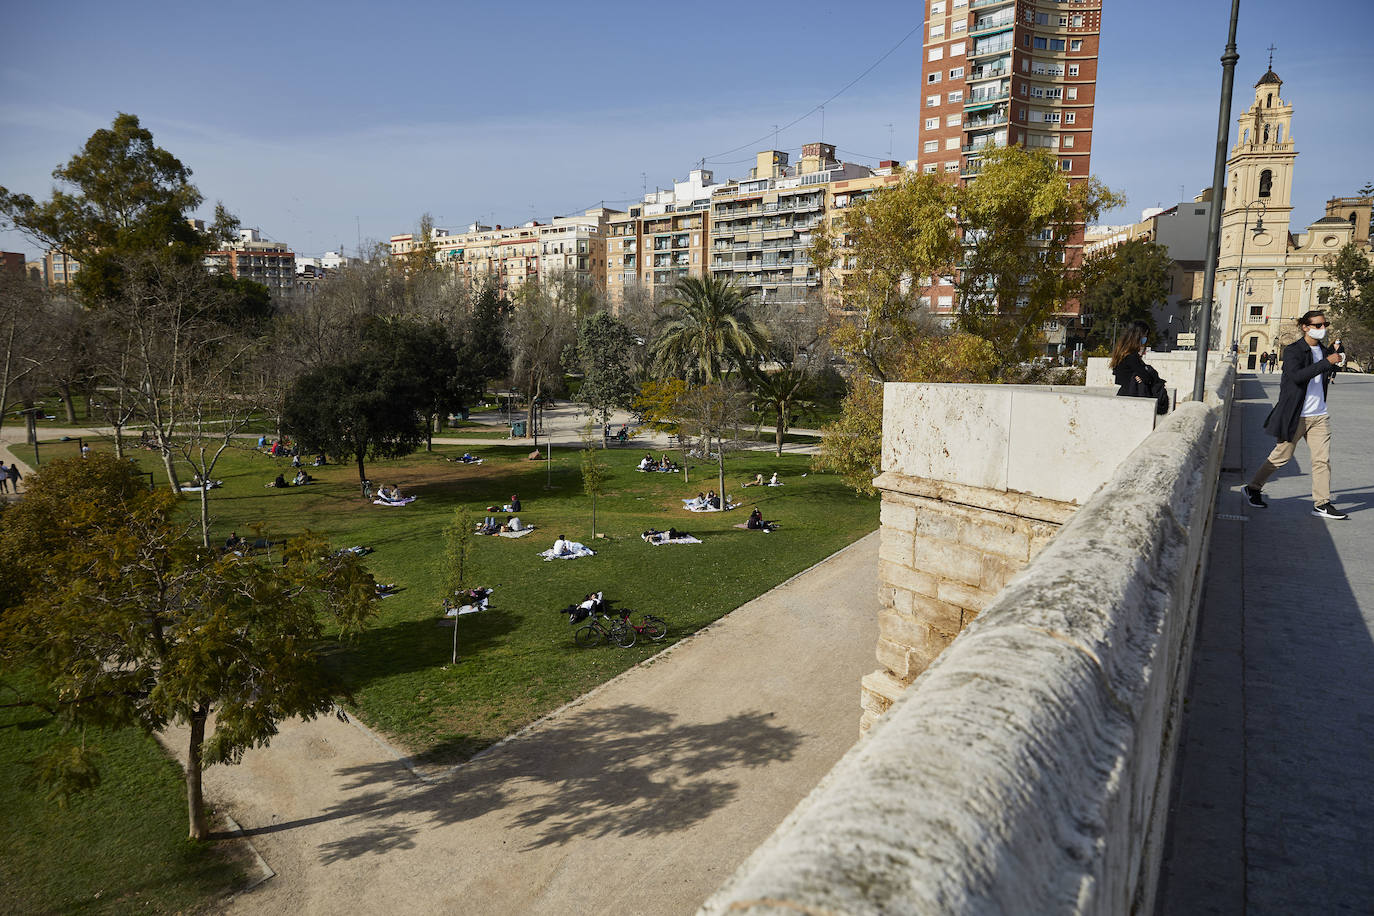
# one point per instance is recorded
(4, 478)
(1300, 413)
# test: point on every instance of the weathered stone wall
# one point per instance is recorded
(1027, 769)
(977, 479)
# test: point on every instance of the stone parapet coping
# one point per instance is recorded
(1027, 769)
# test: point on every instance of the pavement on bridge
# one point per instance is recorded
(1275, 778)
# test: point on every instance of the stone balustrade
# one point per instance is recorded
(1026, 770)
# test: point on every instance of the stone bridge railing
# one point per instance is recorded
(1027, 768)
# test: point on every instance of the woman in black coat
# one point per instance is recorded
(1137, 378)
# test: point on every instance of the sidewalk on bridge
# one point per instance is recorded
(1274, 787)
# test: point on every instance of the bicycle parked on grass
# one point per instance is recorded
(600, 627)
(650, 625)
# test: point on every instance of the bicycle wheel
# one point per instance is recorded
(654, 627)
(623, 635)
(587, 636)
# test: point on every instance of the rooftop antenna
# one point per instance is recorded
(822, 123)
(644, 183)
(358, 224)
(889, 140)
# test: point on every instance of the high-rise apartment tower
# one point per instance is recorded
(1007, 71)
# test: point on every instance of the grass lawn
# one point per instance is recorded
(119, 849)
(517, 660)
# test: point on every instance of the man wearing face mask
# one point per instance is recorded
(1308, 365)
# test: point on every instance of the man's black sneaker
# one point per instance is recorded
(1326, 510)
(1255, 498)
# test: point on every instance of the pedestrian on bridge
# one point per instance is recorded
(1308, 365)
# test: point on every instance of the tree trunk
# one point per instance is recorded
(593, 516)
(781, 416)
(720, 468)
(169, 463)
(362, 472)
(205, 512)
(119, 441)
(65, 392)
(195, 799)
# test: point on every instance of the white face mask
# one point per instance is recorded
(1316, 333)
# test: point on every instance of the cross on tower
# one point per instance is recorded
(1272, 49)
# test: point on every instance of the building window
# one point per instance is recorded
(932, 123)
(957, 73)
(956, 49)
(951, 166)
(1066, 165)
(1075, 45)
(1078, 22)
(931, 146)
(936, 54)
(937, 8)
(929, 168)
(944, 302)
(1266, 183)
(1269, 100)
(1067, 142)
(1056, 44)
(1073, 69)
(959, 26)
(956, 96)
(1256, 313)
(951, 143)
(932, 101)
(937, 32)
(933, 77)
(953, 120)
(1069, 117)
(1071, 92)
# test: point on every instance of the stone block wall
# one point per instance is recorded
(945, 553)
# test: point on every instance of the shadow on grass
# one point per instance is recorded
(632, 771)
(414, 645)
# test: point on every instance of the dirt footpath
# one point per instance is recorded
(639, 798)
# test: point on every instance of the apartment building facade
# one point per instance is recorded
(251, 257)
(664, 237)
(59, 269)
(511, 256)
(1000, 72)
(761, 226)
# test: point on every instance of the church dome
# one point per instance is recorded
(1269, 77)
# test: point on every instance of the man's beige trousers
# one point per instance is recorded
(1317, 432)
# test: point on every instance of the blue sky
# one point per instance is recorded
(321, 123)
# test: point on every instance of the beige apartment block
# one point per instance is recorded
(59, 269)
(513, 255)
(1267, 274)
(762, 226)
(662, 238)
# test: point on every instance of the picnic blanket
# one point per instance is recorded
(699, 508)
(461, 461)
(397, 502)
(515, 534)
(662, 538)
(767, 527)
(199, 488)
(577, 550)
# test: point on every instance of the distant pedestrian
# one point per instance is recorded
(1308, 365)
(14, 477)
(4, 478)
(85, 450)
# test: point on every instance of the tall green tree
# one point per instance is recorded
(1123, 285)
(605, 351)
(125, 621)
(707, 328)
(1353, 298)
(371, 405)
(594, 470)
(120, 195)
(1016, 223)
(882, 253)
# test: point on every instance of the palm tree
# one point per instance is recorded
(707, 325)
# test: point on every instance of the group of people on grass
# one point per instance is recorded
(650, 463)
(758, 481)
(703, 501)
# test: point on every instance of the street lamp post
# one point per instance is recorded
(1240, 269)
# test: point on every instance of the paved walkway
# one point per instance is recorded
(641, 797)
(1275, 781)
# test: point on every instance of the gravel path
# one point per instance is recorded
(641, 797)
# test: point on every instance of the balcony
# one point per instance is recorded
(985, 98)
(979, 4)
(987, 73)
(996, 47)
(980, 123)
(992, 25)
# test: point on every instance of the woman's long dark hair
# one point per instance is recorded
(1130, 341)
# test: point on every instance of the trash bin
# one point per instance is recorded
(517, 429)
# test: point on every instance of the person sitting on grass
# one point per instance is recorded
(301, 478)
(646, 463)
(561, 547)
(712, 500)
(514, 503)
(756, 522)
(320, 460)
(233, 541)
(295, 461)
(756, 482)
(696, 502)
(773, 481)
(279, 483)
